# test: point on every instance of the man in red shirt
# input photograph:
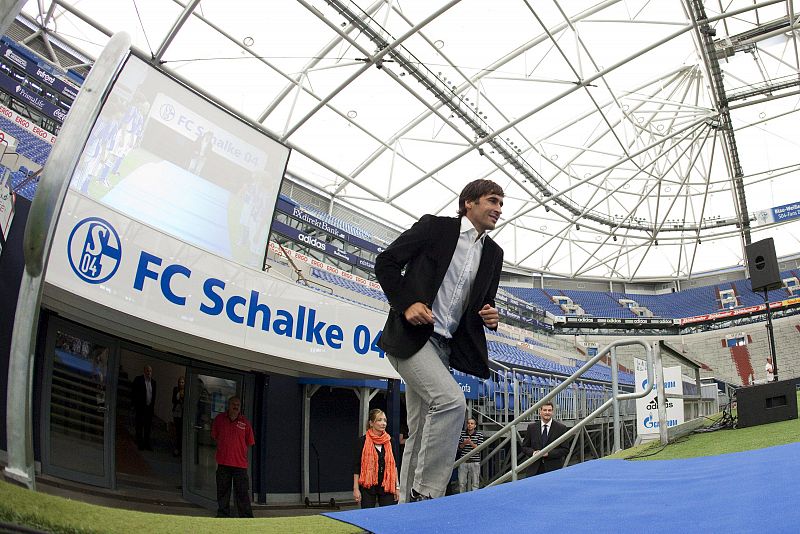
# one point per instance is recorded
(233, 434)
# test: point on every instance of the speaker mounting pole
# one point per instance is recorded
(765, 274)
(771, 335)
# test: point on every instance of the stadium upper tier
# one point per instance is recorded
(680, 304)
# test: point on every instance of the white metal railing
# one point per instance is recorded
(509, 395)
(509, 391)
(573, 404)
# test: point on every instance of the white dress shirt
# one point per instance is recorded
(453, 295)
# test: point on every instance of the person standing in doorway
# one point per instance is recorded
(178, 396)
(440, 277)
(144, 400)
(233, 434)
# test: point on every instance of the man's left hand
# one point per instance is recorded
(490, 316)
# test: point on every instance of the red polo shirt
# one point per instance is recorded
(233, 438)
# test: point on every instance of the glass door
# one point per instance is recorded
(78, 406)
(208, 394)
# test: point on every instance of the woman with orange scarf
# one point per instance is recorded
(374, 470)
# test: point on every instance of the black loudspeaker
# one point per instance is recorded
(766, 403)
(763, 265)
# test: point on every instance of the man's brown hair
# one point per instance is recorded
(475, 190)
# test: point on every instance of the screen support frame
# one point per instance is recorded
(37, 242)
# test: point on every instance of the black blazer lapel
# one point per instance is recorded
(424, 251)
(447, 243)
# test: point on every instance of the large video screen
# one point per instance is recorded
(161, 154)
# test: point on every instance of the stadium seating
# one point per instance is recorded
(17, 178)
(28, 145)
(536, 296)
(348, 284)
(686, 303)
(523, 360)
(599, 304)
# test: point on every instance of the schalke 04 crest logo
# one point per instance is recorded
(94, 250)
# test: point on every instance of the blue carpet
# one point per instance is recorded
(753, 491)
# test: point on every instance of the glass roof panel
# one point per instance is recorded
(618, 129)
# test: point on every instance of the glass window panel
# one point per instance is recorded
(78, 404)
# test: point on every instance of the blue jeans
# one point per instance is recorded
(436, 408)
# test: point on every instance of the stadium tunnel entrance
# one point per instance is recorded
(88, 424)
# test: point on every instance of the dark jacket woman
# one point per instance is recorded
(374, 470)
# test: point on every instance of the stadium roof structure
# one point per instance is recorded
(635, 139)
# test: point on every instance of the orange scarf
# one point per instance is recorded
(369, 462)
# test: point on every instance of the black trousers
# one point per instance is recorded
(144, 423)
(178, 434)
(370, 496)
(241, 491)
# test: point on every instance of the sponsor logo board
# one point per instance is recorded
(647, 406)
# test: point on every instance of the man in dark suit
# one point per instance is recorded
(440, 277)
(144, 399)
(539, 435)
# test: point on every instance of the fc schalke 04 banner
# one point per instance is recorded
(125, 265)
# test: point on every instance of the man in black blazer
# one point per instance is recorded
(551, 430)
(144, 399)
(440, 277)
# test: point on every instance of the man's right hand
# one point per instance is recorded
(418, 314)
